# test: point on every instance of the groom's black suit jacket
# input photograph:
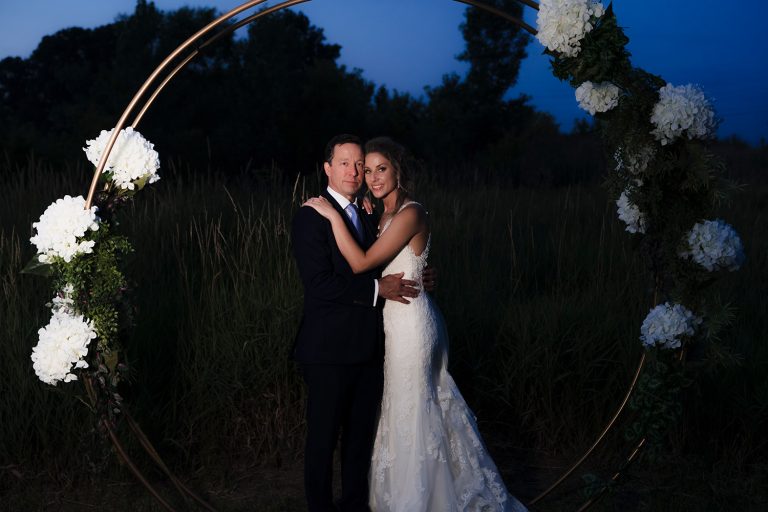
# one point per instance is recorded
(340, 324)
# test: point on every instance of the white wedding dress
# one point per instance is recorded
(428, 455)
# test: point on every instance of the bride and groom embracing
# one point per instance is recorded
(373, 351)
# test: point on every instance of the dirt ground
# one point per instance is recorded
(267, 488)
(258, 488)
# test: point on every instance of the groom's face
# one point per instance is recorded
(345, 170)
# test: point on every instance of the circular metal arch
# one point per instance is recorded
(196, 43)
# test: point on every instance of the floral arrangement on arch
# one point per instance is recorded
(666, 184)
(77, 248)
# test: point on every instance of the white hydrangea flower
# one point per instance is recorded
(630, 214)
(562, 24)
(666, 324)
(62, 345)
(635, 162)
(61, 227)
(682, 110)
(133, 157)
(600, 97)
(714, 245)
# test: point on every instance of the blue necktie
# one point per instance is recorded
(351, 210)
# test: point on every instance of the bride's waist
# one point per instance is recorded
(408, 273)
(418, 302)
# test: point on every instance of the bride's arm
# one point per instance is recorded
(403, 227)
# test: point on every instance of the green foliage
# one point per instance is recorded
(657, 403)
(603, 56)
(98, 283)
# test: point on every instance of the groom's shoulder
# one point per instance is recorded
(306, 218)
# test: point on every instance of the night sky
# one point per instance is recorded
(409, 44)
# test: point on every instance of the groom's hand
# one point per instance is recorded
(394, 287)
(429, 279)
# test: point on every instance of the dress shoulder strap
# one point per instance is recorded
(402, 207)
(408, 203)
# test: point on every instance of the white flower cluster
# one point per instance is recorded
(61, 225)
(682, 110)
(630, 214)
(634, 162)
(666, 324)
(714, 245)
(600, 97)
(132, 158)
(562, 24)
(62, 345)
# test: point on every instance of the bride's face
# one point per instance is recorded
(380, 176)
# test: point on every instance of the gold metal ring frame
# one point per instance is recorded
(170, 67)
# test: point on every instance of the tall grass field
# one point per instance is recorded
(543, 291)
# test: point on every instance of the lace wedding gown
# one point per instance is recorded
(428, 455)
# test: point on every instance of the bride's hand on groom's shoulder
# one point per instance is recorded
(367, 205)
(321, 205)
(394, 287)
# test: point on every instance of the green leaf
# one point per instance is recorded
(38, 268)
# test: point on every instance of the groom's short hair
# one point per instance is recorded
(344, 138)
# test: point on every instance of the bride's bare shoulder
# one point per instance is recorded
(413, 206)
(413, 212)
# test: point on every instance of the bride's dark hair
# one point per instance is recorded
(402, 161)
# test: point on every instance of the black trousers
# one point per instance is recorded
(341, 399)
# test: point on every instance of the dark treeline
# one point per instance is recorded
(275, 95)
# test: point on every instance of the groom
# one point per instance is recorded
(340, 344)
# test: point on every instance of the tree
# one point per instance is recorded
(494, 48)
(273, 96)
(466, 117)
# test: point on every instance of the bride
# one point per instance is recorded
(428, 454)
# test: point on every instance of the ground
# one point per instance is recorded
(266, 488)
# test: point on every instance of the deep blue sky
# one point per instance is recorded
(408, 44)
